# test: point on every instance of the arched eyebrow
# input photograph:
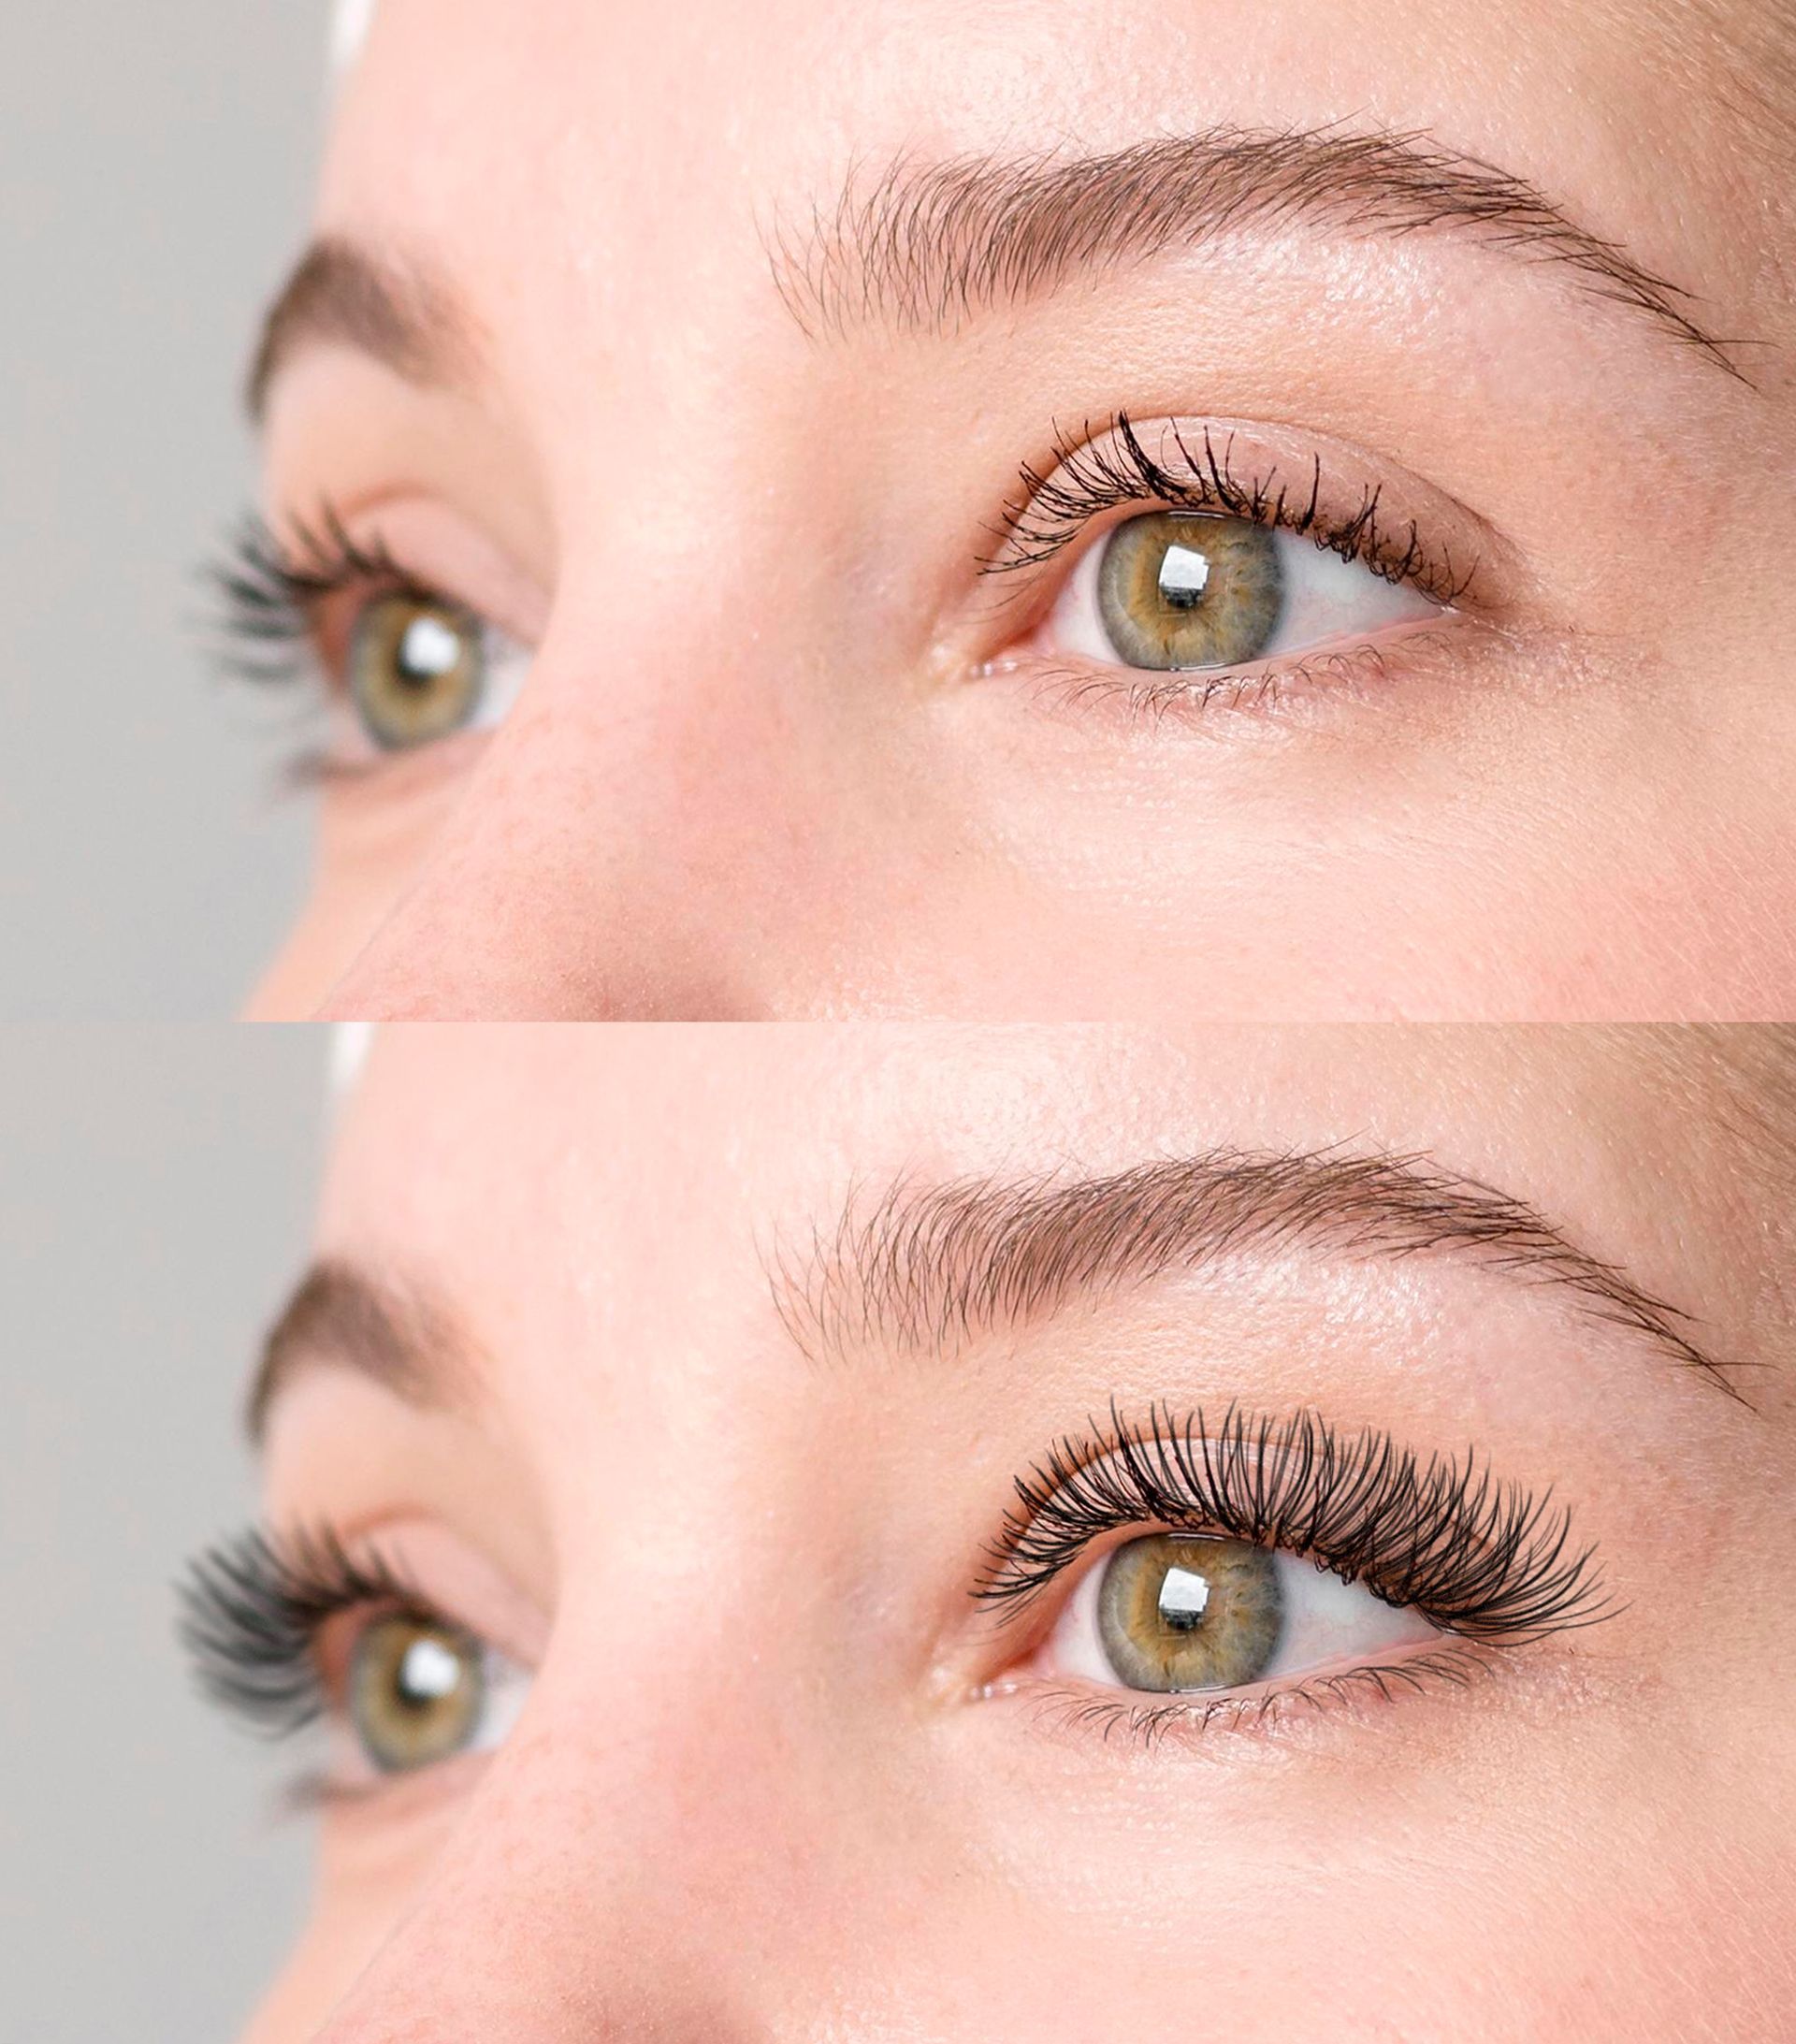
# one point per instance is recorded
(923, 1268)
(400, 314)
(926, 246)
(400, 1335)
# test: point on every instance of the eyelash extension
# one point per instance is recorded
(1095, 475)
(269, 590)
(1482, 1560)
(251, 1609)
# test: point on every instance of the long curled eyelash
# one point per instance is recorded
(1103, 472)
(1480, 1558)
(251, 1609)
(269, 590)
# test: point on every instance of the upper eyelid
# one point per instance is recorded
(1106, 467)
(1531, 1575)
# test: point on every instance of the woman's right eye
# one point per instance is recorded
(418, 667)
(419, 1692)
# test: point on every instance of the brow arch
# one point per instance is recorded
(926, 244)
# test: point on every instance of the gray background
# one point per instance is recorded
(155, 158)
(154, 1193)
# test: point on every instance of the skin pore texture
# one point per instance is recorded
(700, 353)
(694, 1370)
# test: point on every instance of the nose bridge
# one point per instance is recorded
(618, 851)
(630, 1868)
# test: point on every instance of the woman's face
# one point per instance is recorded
(666, 1395)
(812, 511)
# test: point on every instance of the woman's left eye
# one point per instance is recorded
(419, 668)
(419, 1692)
(1174, 591)
(1174, 1612)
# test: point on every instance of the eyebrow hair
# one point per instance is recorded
(925, 1268)
(930, 243)
(396, 313)
(400, 1337)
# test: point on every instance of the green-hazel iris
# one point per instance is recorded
(417, 1690)
(1183, 588)
(418, 668)
(1187, 1611)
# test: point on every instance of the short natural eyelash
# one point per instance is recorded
(251, 1609)
(1107, 470)
(1483, 1559)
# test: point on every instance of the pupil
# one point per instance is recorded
(1184, 1597)
(1184, 575)
(428, 1673)
(428, 650)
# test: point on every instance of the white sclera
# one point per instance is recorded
(1329, 1623)
(1328, 601)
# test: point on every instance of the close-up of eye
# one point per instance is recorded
(1189, 1612)
(1236, 571)
(1176, 590)
(1292, 1561)
(400, 666)
(294, 1634)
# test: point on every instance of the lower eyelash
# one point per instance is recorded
(1150, 699)
(1148, 1725)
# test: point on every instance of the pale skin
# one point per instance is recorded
(776, 1773)
(779, 750)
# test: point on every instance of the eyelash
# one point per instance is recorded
(1487, 1562)
(252, 1609)
(1087, 478)
(270, 592)
(1482, 1560)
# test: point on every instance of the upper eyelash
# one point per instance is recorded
(252, 1607)
(268, 590)
(1483, 1560)
(1103, 472)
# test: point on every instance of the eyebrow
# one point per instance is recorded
(402, 1337)
(928, 245)
(926, 1267)
(398, 314)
